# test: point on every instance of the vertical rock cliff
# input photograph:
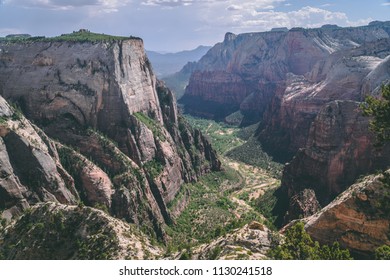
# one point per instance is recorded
(117, 130)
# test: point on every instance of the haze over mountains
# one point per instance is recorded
(165, 64)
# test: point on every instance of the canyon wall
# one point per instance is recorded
(253, 67)
(119, 141)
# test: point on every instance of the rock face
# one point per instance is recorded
(339, 149)
(343, 75)
(129, 150)
(30, 167)
(358, 219)
(251, 68)
(251, 242)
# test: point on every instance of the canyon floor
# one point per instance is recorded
(223, 205)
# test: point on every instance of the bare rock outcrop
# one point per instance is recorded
(358, 219)
(250, 242)
(30, 169)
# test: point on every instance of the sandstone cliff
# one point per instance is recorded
(127, 149)
(339, 149)
(259, 64)
(343, 75)
(358, 219)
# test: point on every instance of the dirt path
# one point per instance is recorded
(255, 182)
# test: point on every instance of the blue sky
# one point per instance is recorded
(174, 25)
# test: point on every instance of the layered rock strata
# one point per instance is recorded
(358, 219)
(131, 149)
(339, 149)
(253, 67)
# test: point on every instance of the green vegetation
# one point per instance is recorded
(382, 253)
(235, 118)
(55, 234)
(236, 143)
(210, 213)
(151, 124)
(298, 245)
(265, 204)
(383, 204)
(82, 36)
(251, 153)
(379, 109)
(153, 168)
(72, 163)
(223, 137)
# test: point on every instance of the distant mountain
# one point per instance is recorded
(165, 64)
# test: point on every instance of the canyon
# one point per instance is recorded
(304, 87)
(95, 148)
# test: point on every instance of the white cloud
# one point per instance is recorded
(385, 4)
(254, 17)
(234, 8)
(167, 3)
(102, 5)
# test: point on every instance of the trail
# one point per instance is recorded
(254, 181)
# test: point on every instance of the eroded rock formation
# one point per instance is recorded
(252, 68)
(358, 219)
(126, 147)
(339, 149)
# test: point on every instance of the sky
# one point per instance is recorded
(175, 25)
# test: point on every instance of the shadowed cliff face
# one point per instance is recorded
(339, 149)
(344, 75)
(128, 149)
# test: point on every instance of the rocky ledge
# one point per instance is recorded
(358, 219)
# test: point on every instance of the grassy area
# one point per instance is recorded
(251, 153)
(223, 137)
(210, 213)
(237, 144)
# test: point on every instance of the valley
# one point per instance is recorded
(222, 204)
(272, 152)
